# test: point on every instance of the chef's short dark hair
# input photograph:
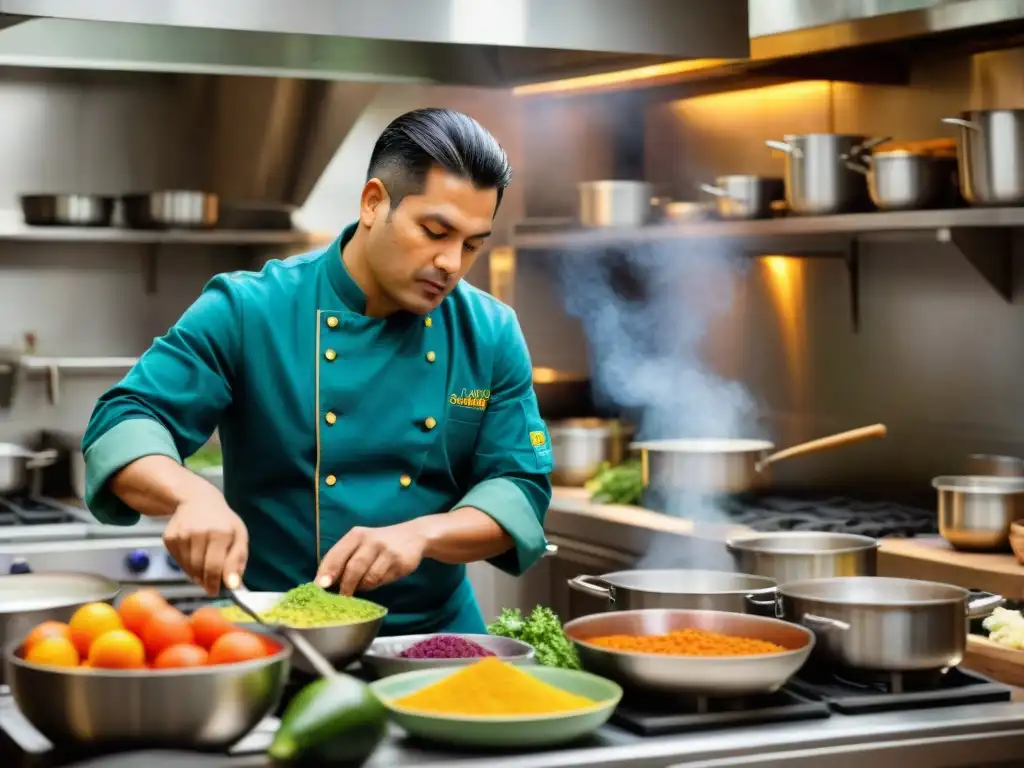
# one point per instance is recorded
(416, 141)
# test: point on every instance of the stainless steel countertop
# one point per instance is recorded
(953, 737)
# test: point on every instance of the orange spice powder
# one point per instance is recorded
(687, 642)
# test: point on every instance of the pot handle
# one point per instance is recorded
(587, 585)
(782, 146)
(983, 604)
(41, 460)
(863, 168)
(962, 123)
(864, 147)
(812, 621)
(711, 189)
(824, 443)
(770, 607)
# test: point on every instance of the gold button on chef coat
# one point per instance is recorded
(330, 479)
(431, 357)
(405, 480)
(430, 422)
(330, 417)
(330, 354)
(332, 322)
(428, 322)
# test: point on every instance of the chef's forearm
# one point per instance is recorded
(156, 485)
(464, 535)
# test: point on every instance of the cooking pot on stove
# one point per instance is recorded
(16, 463)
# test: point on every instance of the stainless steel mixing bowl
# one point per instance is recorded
(205, 708)
(713, 676)
(383, 658)
(29, 599)
(340, 644)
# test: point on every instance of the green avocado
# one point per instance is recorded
(336, 720)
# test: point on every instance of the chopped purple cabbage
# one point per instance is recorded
(445, 647)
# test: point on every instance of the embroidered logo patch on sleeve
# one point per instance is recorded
(538, 439)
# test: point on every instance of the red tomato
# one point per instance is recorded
(138, 607)
(208, 624)
(237, 646)
(165, 628)
(181, 656)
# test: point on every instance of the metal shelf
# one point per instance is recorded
(846, 224)
(983, 236)
(54, 367)
(114, 235)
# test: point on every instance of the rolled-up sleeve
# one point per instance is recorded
(170, 402)
(513, 461)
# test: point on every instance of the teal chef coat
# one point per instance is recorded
(330, 419)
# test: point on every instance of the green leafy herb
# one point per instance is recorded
(622, 484)
(206, 457)
(543, 630)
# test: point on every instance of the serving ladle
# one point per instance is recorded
(323, 667)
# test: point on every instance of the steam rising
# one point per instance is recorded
(646, 311)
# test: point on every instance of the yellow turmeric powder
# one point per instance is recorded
(491, 687)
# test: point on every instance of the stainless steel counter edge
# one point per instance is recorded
(967, 737)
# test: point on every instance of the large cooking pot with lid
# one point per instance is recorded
(727, 466)
(877, 624)
(819, 181)
(990, 153)
(800, 555)
(677, 588)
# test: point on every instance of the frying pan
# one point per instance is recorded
(728, 466)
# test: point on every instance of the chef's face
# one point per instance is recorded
(420, 250)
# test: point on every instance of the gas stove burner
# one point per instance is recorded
(891, 682)
(852, 692)
(24, 509)
(834, 514)
(649, 715)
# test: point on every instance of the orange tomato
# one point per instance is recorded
(270, 645)
(53, 651)
(181, 656)
(237, 646)
(137, 608)
(117, 649)
(47, 629)
(165, 628)
(89, 622)
(208, 624)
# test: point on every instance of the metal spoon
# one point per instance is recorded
(323, 667)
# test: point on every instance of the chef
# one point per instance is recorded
(376, 413)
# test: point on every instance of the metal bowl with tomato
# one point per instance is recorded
(147, 681)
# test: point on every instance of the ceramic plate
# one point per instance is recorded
(518, 732)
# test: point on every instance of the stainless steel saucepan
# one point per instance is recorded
(677, 588)
(818, 180)
(878, 624)
(789, 556)
(741, 196)
(902, 180)
(990, 153)
(728, 466)
(975, 511)
(16, 463)
(717, 676)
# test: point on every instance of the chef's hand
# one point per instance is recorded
(208, 540)
(366, 558)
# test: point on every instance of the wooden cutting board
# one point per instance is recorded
(933, 559)
(1005, 665)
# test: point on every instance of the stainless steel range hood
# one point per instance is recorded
(472, 42)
